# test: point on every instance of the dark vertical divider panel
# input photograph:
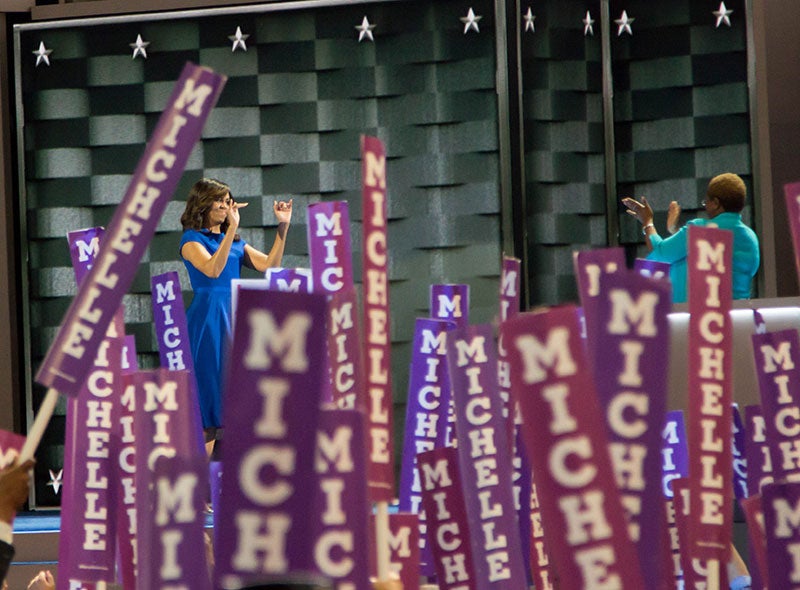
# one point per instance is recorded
(562, 107)
(287, 126)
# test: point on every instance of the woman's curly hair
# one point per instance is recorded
(202, 196)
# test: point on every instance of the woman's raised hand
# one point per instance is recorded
(233, 214)
(641, 211)
(673, 216)
(283, 210)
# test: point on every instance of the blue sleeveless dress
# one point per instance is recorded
(209, 322)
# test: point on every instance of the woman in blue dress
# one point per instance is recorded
(214, 254)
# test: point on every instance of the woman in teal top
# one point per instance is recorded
(725, 199)
(214, 254)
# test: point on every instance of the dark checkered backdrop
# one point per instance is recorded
(287, 126)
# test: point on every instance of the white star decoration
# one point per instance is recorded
(529, 18)
(238, 39)
(365, 30)
(470, 21)
(624, 24)
(42, 54)
(588, 21)
(723, 15)
(55, 480)
(140, 47)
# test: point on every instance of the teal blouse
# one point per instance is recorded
(674, 249)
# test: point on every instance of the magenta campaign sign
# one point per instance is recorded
(342, 508)
(781, 505)
(10, 446)
(265, 524)
(404, 551)
(791, 193)
(551, 381)
(757, 540)
(176, 551)
(329, 246)
(174, 349)
(777, 363)
(70, 356)
(631, 352)
(448, 529)
(485, 459)
(710, 397)
(377, 341)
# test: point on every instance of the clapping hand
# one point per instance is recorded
(673, 215)
(641, 211)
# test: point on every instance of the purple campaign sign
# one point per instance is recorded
(590, 265)
(450, 302)
(509, 307)
(426, 410)
(552, 383)
(675, 456)
(344, 351)
(289, 280)
(174, 349)
(631, 352)
(89, 471)
(777, 361)
(426, 414)
(485, 459)
(757, 453)
(84, 244)
(341, 509)
(652, 269)
(674, 451)
(175, 550)
(447, 526)
(509, 288)
(163, 427)
(329, 246)
(10, 445)
(781, 503)
(124, 449)
(272, 402)
(128, 235)
(739, 460)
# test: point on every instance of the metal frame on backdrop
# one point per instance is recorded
(508, 229)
